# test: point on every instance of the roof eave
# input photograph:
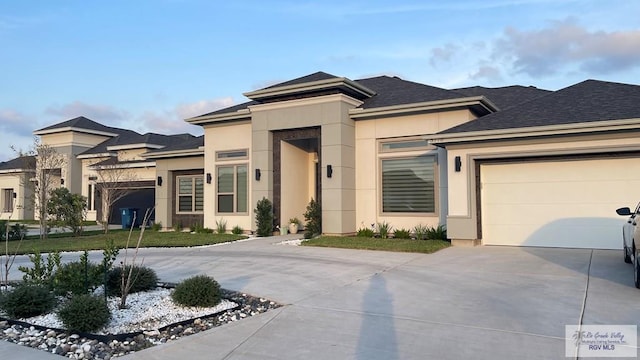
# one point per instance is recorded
(448, 104)
(93, 156)
(73, 129)
(442, 140)
(310, 86)
(134, 146)
(175, 153)
(242, 114)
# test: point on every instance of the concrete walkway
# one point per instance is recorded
(480, 303)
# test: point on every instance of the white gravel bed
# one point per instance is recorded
(145, 311)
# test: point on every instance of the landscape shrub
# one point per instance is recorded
(402, 234)
(384, 228)
(85, 313)
(237, 230)
(200, 290)
(41, 273)
(420, 232)
(156, 226)
(264, 217)
(437, 233)
(142, 279)
(365, 232)
(313, 217)
(15, 231)
(221, 226)
(77, 277)
(27, 300)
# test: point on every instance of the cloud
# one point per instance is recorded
(100, 113)
(487, 72)
(442, 54)
(566, 44)
(172, 121)
(13, 122)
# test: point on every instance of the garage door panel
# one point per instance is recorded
(559, 203)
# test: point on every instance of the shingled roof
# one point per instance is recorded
(506, 96)
(81, 122)
(131, 137)
(588, 101)
(19, 163)
(395, 91)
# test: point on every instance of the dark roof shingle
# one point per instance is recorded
(19, 163)
(82, 122)
(588, 101)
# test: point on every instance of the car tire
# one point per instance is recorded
(627, 255)
(636, 269)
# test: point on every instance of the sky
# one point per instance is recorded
(148, 65)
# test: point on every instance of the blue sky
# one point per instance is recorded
(146, 65)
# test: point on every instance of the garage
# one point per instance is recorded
(557, 203)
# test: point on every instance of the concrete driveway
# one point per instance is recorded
(480, 303)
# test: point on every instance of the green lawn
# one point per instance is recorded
(97, 241)
(363, 243)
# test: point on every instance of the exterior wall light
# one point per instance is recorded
(329, 171)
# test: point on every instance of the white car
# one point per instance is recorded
(630, 232)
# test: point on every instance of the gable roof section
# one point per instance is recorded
(133, 140)
(19, 164)
(392, 91)
(588, 104)
(193, 147)
(505, 97)
(81, 124)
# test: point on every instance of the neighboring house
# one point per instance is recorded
(548, 172)
(105, 164)
(358, 147)
(16, 194)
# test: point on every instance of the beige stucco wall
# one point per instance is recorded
(234, 136)
(331, 114)
(368, 134)
(462, 218)
(23, 202)
(164, 194)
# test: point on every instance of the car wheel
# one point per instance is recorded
(627, 255)
(636, 269)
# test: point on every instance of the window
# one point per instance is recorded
(403, 145)
(7, 200)
(232, 189)
(231, 155)
(408, 185)
(190, 194)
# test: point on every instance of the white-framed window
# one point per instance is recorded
(232, 155)
(407, 176)
(190, 194)
(7, 200)
(232, 189)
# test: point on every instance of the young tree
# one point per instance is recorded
(113, 182)
(47, 169)
(67, 210)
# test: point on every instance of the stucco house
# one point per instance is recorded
(15, 192)
(512, 165)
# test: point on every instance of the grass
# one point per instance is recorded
(364, 243)
(97, 240)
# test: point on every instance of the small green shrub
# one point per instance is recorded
(77, 277)
(264, 217)
(402, 234)
(437, 233)
(27, 300)
(295, 220)
(221, 226)
(177, 227)
(142, 279)
(365, 232)
(41, 273)
(199, 290)
(420, 232)
(313, 217)
(156, 226)
(237, 230)
(16, 231)
(384, 228)
(84, 313)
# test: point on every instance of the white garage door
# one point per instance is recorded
(557, 203)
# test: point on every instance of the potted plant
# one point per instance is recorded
(294, 225)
